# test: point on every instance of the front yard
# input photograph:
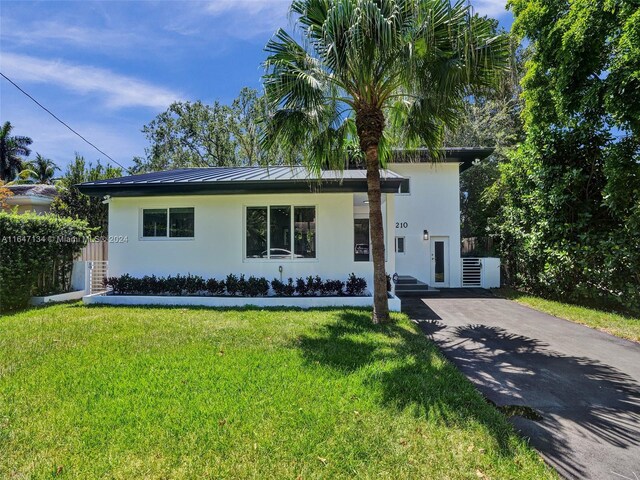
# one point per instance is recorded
(195, 393)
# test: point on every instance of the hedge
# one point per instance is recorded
(36, 255)
(235, 285)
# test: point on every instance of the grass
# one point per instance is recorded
(120, 392)
(623, 326)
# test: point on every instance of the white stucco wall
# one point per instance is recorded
(433, 204)
(218, 246)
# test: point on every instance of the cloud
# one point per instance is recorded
(249, 18)
(491, 8)
(118, 91)
(50, 31)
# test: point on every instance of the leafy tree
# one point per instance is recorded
(569, 195)
(71, 203)
(490, 120)
(194, 134)
(368, 62)
(12, 149)
(247, 112)
(41, 170)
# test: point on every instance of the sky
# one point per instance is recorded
(107, 68)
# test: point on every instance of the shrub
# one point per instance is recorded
(301, 287)
(333, 287)
(232, 284)
(253, 286)
(214, 287)
(36, 255)
(282, 289)
(355, 286)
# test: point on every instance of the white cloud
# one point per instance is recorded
(249, 18)
(50, 31)
(117, 90)
(491, 8)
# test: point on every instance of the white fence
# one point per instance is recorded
(97, 276)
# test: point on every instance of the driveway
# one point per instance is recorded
(584, 383)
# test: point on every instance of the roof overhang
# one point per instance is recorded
(129, 187)
(466, 157)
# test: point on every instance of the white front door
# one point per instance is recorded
(440, 261)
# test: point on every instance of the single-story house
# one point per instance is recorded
(279, 222)
(30, 198)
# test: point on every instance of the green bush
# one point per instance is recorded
(36, 255)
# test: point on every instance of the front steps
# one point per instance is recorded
(408, 286)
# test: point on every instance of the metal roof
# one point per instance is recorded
(238, 180)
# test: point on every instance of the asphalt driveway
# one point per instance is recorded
(584, 383)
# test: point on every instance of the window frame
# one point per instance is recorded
(404, 245)
(292, 257)
(167, 237)
(405, 194)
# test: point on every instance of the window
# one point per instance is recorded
(291, 232)
(177, 222)
(361, 245)
(405, 186)
(304, 233)
(399, 244)
(256, 232)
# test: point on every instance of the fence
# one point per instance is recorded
(95, 251)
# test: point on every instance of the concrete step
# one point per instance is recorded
(406, 280)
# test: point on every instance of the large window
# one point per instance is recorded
(168, 222)
(291, 232)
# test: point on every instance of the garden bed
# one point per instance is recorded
(229, 301)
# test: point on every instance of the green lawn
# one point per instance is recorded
(117, 392)
(623, 326)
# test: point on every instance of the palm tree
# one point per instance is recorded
(367, 65)
(40, 170)
(11, 149)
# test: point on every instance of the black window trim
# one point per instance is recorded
(168, 236)
(268, 206)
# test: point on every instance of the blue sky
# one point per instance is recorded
(107, 68)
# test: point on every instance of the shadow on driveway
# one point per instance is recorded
(590, 409)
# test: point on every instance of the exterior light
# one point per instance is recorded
(425, 234)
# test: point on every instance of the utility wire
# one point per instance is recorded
(62, 122)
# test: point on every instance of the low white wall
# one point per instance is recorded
(61, 297)
(293, 302)
(491, 272)
(78, 275)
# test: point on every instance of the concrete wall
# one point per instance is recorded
(218, 246)
(433, 204)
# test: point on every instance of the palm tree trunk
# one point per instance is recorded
(370, 125)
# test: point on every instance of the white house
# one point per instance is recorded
(278, 222)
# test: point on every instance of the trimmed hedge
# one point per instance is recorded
(36, 255)
(234, 285)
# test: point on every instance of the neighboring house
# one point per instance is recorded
(277, 222)
(30, 198)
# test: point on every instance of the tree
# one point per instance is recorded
(194, 134)
(71, 203)
(12, 149)
(368, 62)
(41, 170)
(491, 120)
(569, 195)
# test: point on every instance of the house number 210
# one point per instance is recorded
(402, 224)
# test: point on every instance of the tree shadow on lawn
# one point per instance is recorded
(411, 373)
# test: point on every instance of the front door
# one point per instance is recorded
(440, 261)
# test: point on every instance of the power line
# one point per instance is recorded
(62, 122)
